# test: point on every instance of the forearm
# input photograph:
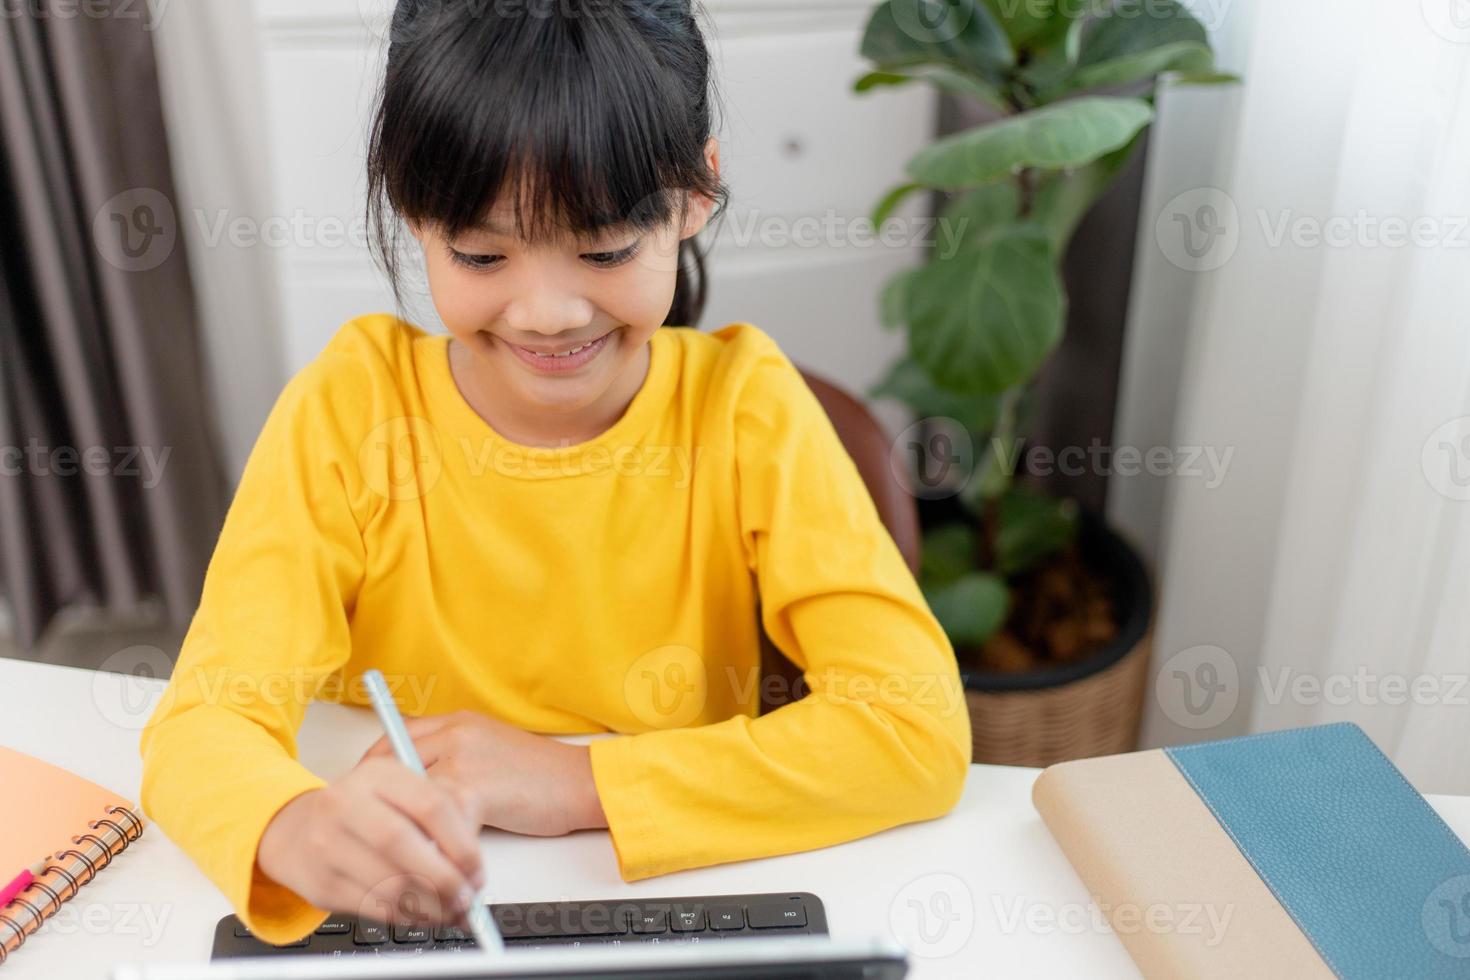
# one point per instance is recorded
(811, 774)
(584, 806)
(217, 814)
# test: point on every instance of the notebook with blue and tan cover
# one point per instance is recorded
(1301, 853)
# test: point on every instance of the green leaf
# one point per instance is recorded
(1133, 41)
(907, 382)
(875, 79)
(1046, 69)
(995, 472)
(1033, 526)
(1184, 56)
(960, 33)
(1064, 198)
(974, 216)
(1073, 43)
(893, 306)
(942, 77)
(1061, 199)
(1069, 134)
(983, 318)
(1133, 27)
(948, 554)
(1032, 23)
(891, 201)
(972, 608)
(1201, 78)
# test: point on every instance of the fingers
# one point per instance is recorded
(399, 876)
(435, 746)
(455, 739)
(442, 826)
(446, 773)
(384, 892)
(357, 852)
(428, 724)
(381, 841)
(417, 728)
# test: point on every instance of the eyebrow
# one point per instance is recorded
(492, 227)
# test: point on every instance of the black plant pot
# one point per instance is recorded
(1114, 560)
(1090, 707)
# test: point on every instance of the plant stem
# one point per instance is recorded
(1026, 177)
(1026, 184)
(1001, 438)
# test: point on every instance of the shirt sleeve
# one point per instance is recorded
(883, 738)
(219, 751)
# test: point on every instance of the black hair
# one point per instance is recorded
(590, 113)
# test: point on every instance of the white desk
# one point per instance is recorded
(1014, 906)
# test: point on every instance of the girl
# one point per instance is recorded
(560, 518)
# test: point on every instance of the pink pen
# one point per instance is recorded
(21, 883)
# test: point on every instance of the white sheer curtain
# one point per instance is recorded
(1302, 308)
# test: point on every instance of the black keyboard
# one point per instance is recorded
(543, 925)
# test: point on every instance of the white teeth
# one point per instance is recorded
(567, 353)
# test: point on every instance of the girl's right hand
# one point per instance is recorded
(381, 842)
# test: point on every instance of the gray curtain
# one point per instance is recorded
(111, 488)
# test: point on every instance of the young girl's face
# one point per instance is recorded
(516, 305)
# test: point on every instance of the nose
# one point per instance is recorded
(548, 305)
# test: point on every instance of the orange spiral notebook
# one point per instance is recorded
(75, 826)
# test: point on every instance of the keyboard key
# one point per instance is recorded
(243, 931)
(688, 919)
(407, 932)
(337, 925)
(650, 921)
(726, 917)
(406, 949)
(544, 920)
(369, 933)
(602, 919)
(777, 916)
(454, 933)
(560, 942)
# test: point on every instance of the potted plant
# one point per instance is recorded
(1048, 610)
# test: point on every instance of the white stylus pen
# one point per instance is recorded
(482, 925)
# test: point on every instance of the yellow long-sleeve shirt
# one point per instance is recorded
(606, 586)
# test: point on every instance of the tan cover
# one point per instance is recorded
(56, 816)
(1172, 883)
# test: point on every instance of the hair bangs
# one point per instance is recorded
(561, 129)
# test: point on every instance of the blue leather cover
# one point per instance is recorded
(1372, 875)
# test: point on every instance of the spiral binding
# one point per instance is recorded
(111, 842)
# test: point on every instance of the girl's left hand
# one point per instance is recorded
(504, 776)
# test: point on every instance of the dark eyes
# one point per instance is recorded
(601, 260)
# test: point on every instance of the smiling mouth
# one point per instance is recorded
(566, 360)
(564, 353)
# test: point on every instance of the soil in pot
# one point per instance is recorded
(1063, 612)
